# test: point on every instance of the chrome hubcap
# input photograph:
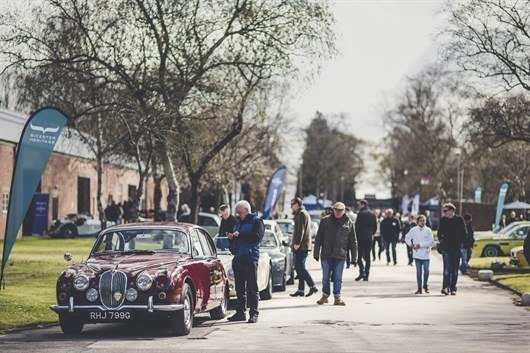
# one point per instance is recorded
(187, 311)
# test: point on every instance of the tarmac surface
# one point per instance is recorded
(381, 315)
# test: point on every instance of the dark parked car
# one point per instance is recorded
(281, 270)
(76, 225)
(141, 270)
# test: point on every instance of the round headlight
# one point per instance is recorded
(81, 282)
(91, 295)
(131, 294)
(230, 274)
(144, 282)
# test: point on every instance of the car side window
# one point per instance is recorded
(207, 221)
(196, 244)
(521, 232)
(206, 244)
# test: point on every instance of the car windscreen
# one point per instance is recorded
(286, 227)
(140, 240)
(508, 228)
(269, 240)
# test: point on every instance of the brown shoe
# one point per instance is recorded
(323, 300)
(339, 301)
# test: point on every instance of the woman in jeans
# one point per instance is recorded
(421, 240)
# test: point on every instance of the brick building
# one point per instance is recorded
(70, 178)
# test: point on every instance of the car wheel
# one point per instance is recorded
(70, 325)
(491, 251)
(220, 312)
(181, 322)
(266, 294)
(69, 231)
(282, 287)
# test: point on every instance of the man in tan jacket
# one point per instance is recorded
(301, 246)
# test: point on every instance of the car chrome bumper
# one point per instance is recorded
(150, 307)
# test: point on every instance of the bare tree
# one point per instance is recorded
(499, 121)
(422, 136)
(164, 53)
(331, 159)
(491, 38)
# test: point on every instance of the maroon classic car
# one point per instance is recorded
(164, 270)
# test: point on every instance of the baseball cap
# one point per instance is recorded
(339, 206)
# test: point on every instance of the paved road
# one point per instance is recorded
(381, 315)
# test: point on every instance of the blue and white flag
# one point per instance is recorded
(39, 136)
(274, 191)
(500, 203)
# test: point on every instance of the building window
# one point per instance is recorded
(5, 201)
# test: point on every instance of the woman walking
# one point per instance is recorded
(421, 240)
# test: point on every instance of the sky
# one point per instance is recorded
(380, 43)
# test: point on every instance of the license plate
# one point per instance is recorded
(109, 315)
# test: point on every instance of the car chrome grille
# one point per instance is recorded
(112, 286)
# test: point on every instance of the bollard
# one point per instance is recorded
(526, 299)
(485, 275)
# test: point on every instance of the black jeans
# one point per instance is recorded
(409, 254)
(451, 262)
(246, 277)
(303, 275)
(379, 241)
(363, 251)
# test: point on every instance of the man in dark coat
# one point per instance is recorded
(228, 221)
(335, 238)
(467, 245)
(390, 229)
(407, 226)
(365, 228)
(451, 234)
(301, 246)
(244, 245)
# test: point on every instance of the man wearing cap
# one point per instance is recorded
(335, 238)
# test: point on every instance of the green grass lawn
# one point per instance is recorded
(484, 263)
(517, 281)
(30, 277)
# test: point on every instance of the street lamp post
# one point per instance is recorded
(342, 188)
(458, 177)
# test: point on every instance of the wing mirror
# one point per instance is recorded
(68, 257)
(284, 243)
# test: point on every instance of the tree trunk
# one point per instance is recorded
(101, 211)
(158, 193)
(173, 185)
(195, 190)
(99, 163)
(135, 212)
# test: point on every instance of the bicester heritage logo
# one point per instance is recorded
(43, 135)
(44, 129)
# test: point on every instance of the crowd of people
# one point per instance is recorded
(120, 213)
(506, 221)
(341, 241)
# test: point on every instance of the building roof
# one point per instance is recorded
(70, 142)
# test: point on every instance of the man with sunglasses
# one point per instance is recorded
(451, 234)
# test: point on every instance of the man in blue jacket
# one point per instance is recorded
(244, 245)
